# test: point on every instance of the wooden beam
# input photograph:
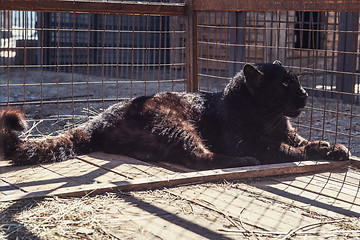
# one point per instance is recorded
(187, 178)
(100, 7)
(355, 161)
(278, 5)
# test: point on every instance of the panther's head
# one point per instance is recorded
(275, 89)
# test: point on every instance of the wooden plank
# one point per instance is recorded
(355, 161)
(124, 166)
(83, 172)
(34, 178)
(348, 176)
(309, 201)
(256, 212)
(324, 187)
(7, 189)
(192, 177)
(329, 205)
(100, 7)
(163, 217)
(277, 5)
(47, 177)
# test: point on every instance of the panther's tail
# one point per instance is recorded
(24, 152)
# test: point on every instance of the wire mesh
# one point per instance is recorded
(62, 68)
(322, 47)
(54, 65)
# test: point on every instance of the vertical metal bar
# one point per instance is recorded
(146, 50)
(299, 18)
(325, 74)
(192, 48)
(339, 61)
(293, 39)
(265, 47)
(42, 71)
(128, 52)
(72, 70)
(165, 35)
(137, 50)
(355, 28)
(118, 59)
(248, 33)
(8, 58)
(311, 42)
(287, 39)
(174, 21)
(122, 36)
(227, 54)
(278, 18)
(215, 32)
(202, 46)
(306, 30)
(103, 64)
(218, 43)
(25, 62)
(58, 71)
(207, 21)
(349, 24)
(256, 35)
(183, 58)
(271, 36)
(159, 58)
(237, 37)
(88, 67)
(132, 56)
(333, 58)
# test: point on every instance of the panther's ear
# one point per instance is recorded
(277, 62)
(253, 77)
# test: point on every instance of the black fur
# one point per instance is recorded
(246, 124)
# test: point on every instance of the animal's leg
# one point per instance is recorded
(315, 150)
(200, 157)
(318, 149)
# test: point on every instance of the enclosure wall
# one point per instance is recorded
(64, 61)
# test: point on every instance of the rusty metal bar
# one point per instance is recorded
(153, 8)
(277, 5)
(192, 53)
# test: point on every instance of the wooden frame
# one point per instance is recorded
(153, 8)
(278, 5)
(185, 178)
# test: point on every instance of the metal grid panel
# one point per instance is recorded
(54, 65)
(321, 46)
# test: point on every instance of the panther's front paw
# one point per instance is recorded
(338, 152)
(317, 149)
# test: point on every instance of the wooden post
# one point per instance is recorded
(349, 26)
(237, 37)
(191, 52)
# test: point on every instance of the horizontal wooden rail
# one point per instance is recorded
(186, 178)
(278, 5)
(160, 9)
(179, 9)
